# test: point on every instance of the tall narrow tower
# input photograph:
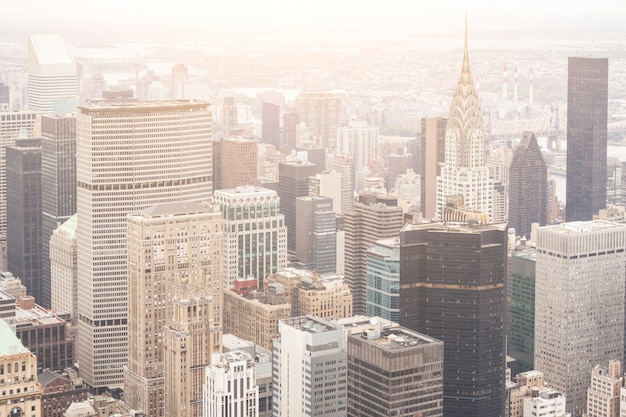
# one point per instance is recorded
(465, 171)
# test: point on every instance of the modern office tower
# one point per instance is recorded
(614, 185)
(579, 300)
(19, 365)
(345, 166)
(64, 269)
(394, 372)
(130, 156)
(291, 119)
(179, 79)
(270, 124)
(382, 268)
(452, 288)
(587, 107)
(58, 185)
(374, 217)
(293, 182)
(239, 162)
(603, 395)
(314, 155)
(407, 188)
(230, 386)
(51, 72)
(316, 233)
(24, 213)
(309, 368)
(173, 250)
(327, 184)
(229, 115)
(254, 315)
(464, 171)
(321, 112)
(520, 389)
(547, 402)
(255, 235)
(326, 297)
(359, 141)
(521, 315)
(45, 334)
(528, 186)
(12, 125)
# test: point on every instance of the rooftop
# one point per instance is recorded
(9, 343)
(180, 207)
(51, 49)
(394, 339)
(584, 227)
(36, 316)
(310, 324)
(246, 190)
(164, 105)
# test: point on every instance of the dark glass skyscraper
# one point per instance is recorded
(293, 182)
(452, 289)
(587, 104)
(528, 186)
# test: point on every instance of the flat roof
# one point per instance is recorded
(394, 339)
(310, 324)
(167, 105)
(9, 343)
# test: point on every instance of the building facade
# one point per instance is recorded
(603, 395)
(316, 234)
(433, 149)
(382, 269)
(360, 141)
(64, 269)
(239, 162)
(321, 112)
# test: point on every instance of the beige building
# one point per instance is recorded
(254, 316)
(63, 269)
(433, 153)
(525, 382)
(239, 162)
(20, 394)
(603, 396)
(173, 264)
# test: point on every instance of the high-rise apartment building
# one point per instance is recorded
(130, 156)
(603, 395)
(528, 186)
(255, 235)
(316, 233)
(394, 372)
(464, 171)
(587, 108)
(270, 124)
(239, 162)
(24, 213)
(321, 112)
(170, 246)
(293, 182)
(52, 74)
(345, 166)
(579, 303)
(58, 185)
(382, 268)
(374, 217)
(360, 141)
(452, 288)
(310, 368)
(432, 155)
(64, 269)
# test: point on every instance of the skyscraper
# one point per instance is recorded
(270, 124)
(382, 266)
(63, 269)
(345, 166)
(229, 115)
(528, 186)
(293, 182)
(464, 171)
(51, 72)
(360, 141)
(452, 288)
(173, 251)
(291, 119)
(579, 303)
(58, 185)
(24, 213)
(179, 80)
(239, 162)
(130, 156)
(587, 107)
(316, 233)
(321, 112)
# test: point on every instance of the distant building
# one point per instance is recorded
(345, 166)
(314, 155)
(603, 396)
(291, 119)
(239, 162)
(316, 233)
(407, 188)
(397, 164)
(179, 80)
(432, 156)
(321, 112)
(360, 141)
(270, 124)
(293, 182)
(229, 115)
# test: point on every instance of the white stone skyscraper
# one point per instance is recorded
(579, 303)
(130, 156)
(465, 171)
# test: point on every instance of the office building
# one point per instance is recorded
(19, 366)
(229, 116)
(408, 189)
(545, 402)
(64, 269)
(614, 185)
(314, 155)
(326, 296)
(397, 164)
(433, 148)
(270, 124)
(522, 388)
(327, 184)
(255, 235)
(452, 288)
(230, 386)
(394, 372)
(345, 166)
(171, 248)
(603, 395)
(309, 351)
(293, 182)
(52, 75)
(579, 301)
(24, 213)
(291, 119)
(125, 163)
(587, 108)
(57, 392)
(58, 186)
(464, 171)
(239, 162)
(316, 233)
(382, 271)
(321, 112)
(360, 141)
(374, 217)
(179, 81)
(528, 186)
